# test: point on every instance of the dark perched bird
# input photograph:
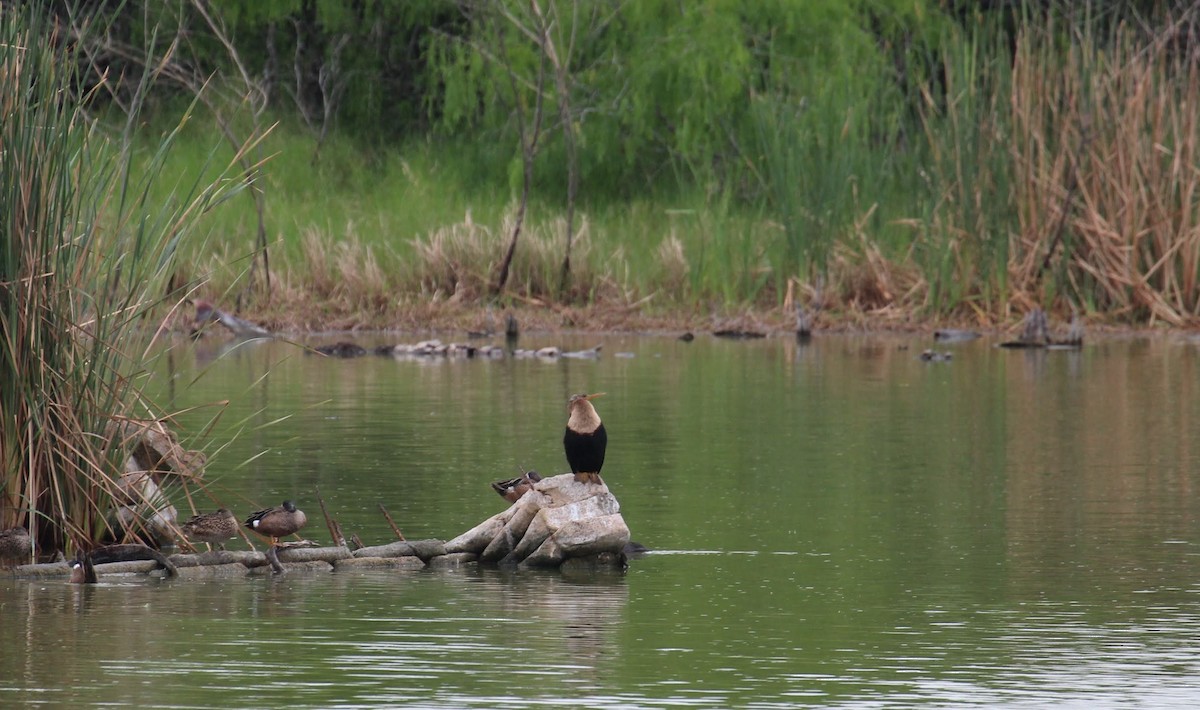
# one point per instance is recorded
(585, 439)
(512, 489)
(15, 546)
(277, 522)
(211, 527)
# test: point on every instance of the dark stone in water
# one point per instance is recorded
(342, 349)
(952, 335)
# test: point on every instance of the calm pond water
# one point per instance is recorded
(839, 524)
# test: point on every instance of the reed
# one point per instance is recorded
(84, 257)
(1105, 142)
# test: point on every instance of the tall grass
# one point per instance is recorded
(1106, 147)
(85, 254)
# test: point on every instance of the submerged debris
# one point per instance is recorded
(1035, 333)
(207, 313)
(804, 326)
(954, 335)
(341, 349)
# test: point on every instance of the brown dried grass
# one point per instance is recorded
(1106, 146)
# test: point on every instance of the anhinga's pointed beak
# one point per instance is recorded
(590, 397)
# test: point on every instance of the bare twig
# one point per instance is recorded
(335, 530)
(387, 516)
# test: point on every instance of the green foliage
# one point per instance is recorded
(837, 128)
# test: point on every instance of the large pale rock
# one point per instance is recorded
(557, 520)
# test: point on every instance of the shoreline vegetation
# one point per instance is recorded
(941, 165)
(598, 166)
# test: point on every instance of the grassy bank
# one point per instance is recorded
(1037, 166)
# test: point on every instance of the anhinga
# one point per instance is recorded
(585, 439)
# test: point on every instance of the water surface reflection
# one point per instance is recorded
(837, 524)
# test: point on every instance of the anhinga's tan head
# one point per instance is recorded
(584, 418)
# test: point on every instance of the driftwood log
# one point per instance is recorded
(559, 519)
(558, 523)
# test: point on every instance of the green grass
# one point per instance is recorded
(1010, 168)
(386, 199)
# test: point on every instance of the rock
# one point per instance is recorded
(557, 520)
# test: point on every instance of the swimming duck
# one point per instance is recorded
(212, 527)
(15, 546)
(82, 571)
(512, 489)
(277, 522)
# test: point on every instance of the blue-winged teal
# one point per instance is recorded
(277, 522)
(512, 489)
(15, 546)
(211, 527)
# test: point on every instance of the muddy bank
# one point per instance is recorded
(302, 317)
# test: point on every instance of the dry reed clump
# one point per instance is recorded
(345, 272)
(460, 262)
(1108, 198)
(673, 268)
(868, 282)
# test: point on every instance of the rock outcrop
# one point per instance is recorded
(559, 519)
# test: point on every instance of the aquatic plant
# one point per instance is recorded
(85, 255)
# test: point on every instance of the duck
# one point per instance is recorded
(82, 571)
(512, 489)
(212, 528)
(15, 545)
(277, 522)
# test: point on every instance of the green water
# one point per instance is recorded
(834, 525)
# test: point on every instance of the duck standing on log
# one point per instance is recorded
(277, 522)
(586, 439)
(16, 547)
(213, 528)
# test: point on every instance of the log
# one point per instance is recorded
(391, 563)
